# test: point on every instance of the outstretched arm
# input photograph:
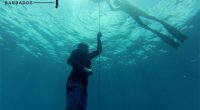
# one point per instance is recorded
(99, 47)
(112, 8)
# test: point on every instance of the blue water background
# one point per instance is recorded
(138, 70)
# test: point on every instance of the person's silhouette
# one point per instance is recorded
(80, 60)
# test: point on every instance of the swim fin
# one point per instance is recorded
(175, 32)
(168, 40)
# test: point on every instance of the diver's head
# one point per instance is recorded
(117, 2)
(83, 47)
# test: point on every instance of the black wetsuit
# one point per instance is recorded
(78, 60)
(78, 79)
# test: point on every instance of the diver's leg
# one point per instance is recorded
(145, 15)
(83, 100)
(73, 98)
(165, 38)
(172, 30)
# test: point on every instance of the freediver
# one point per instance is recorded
(80, 60)
(136, 13)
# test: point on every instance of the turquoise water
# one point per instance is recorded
(138, 70)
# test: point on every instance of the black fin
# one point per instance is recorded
(168, 40)
(175, 32)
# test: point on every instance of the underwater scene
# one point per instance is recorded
(150, 57)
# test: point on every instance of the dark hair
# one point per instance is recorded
(83, 45)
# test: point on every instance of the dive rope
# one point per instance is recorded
(99, 73)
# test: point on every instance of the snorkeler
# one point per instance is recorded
(136, 13)
(80, 60)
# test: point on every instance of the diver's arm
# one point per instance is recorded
(99, 47)
(112, 8)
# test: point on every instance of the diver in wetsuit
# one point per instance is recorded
(136, 13)
(80, 60)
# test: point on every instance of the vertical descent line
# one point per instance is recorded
(99, 73)
(99, 15)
